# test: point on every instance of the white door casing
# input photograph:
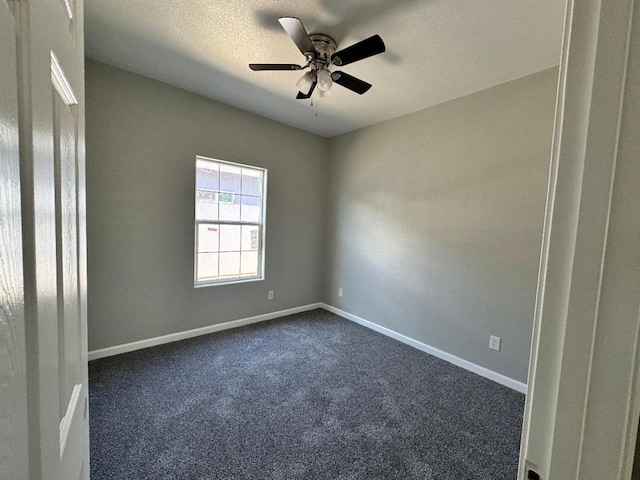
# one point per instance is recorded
(582, 407)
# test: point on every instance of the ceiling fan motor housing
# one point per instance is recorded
(325, 47)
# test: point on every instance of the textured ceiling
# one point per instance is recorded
(437, 50)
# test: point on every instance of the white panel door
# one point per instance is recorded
(51, 77)
(13, 395)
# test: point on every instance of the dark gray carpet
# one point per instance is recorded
(309, 396)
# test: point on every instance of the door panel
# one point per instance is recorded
(67, 252)
(72, 381)
(13, 423)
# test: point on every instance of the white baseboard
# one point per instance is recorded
(460, 362)
(174, 337)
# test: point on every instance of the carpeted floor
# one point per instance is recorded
(309, 396)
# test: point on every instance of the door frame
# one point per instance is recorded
(583, 402)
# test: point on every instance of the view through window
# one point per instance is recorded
(229, 230)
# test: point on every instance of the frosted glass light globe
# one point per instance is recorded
(324, 80)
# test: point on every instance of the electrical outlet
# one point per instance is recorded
(270, 295)
(339, 292)
(494, 343)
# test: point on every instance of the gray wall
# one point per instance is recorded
(142, 140)
(435, 221)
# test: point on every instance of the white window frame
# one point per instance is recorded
(261, 228)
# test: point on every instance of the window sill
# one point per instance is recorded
(230, 282)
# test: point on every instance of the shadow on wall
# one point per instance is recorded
(451, 264)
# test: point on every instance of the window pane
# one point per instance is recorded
(206, 205)
(229, 264)
(207, 175)
(251, 209)
(229, 238)
(249, 264)
(250, 237)
(230, 178)
(229, 206)
(251, 182)
(207, 266)
(208, 238)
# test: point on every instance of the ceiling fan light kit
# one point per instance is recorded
(324, 80)
(319, 50)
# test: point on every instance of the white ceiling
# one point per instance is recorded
(437, 50)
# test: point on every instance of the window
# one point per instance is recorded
(229, 230)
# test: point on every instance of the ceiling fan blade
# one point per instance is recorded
(295, 29)
(257, 67)
(352, 83)
(302, 96)
(366, 48)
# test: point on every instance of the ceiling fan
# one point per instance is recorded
(320, 52)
